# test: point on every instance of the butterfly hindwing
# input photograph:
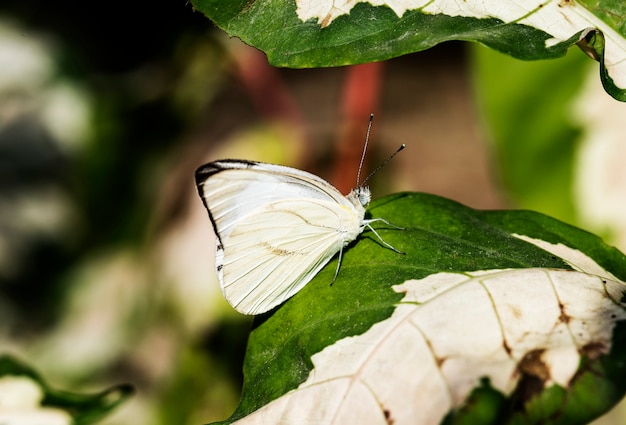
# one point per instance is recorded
(274, 252)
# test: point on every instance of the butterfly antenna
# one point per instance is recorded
(367, 138)
(402, 146)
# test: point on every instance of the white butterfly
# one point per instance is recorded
(276, 228)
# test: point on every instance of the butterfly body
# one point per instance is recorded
(276, 228)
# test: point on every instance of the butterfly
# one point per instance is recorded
(276, 228)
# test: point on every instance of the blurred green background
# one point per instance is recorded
(106, 269)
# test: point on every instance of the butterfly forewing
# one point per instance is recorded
(231, 189)
(276, 228)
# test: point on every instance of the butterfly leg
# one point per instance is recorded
(368, 225)
(338, 266)
(384, 221)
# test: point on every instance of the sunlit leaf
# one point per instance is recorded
(312, 33)
(491, 317)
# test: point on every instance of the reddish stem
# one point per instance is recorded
(360, 99)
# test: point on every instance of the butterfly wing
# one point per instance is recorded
(276, 228)
(231, 189)
(277, 249)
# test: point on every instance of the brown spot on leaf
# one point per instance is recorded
(506, 347)
(564, 318)
(533, 376)
(516, 312)
(593, 350)
(326, 21)
(586, 45)
(388, 416)
(532, 364)
(439, 361)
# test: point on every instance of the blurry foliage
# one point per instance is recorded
(532, 128)
(557, 138)
(127, 72)
(25, 397)
(81, 213)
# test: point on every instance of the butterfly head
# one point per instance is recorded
(364, 195)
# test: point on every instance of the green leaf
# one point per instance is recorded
(510, 309)
(39, 403)
(535, 136)
(557, 138)
(313, 33)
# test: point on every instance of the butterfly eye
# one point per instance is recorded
(364, 195)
